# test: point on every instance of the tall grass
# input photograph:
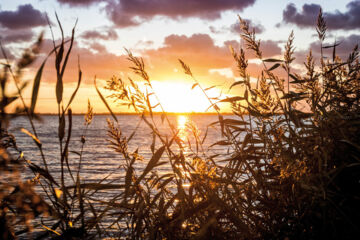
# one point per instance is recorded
(288, 172)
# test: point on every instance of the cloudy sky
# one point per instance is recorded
(162, 31)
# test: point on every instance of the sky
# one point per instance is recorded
(162, 31)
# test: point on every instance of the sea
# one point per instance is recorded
(99, 159)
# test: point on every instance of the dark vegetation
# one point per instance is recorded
(290, 174)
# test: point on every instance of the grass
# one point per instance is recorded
(290, 174)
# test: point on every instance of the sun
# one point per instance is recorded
(179, 97)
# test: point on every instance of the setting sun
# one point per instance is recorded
(179, 97)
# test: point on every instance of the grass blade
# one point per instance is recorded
(104, 101)
(152, 163)
(36, 87)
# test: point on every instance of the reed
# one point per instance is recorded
(289, 173)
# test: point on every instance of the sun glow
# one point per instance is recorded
(179, 97)
(181, 126)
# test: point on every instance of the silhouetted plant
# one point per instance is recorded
(291, 169)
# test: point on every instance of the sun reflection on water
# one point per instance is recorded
(182, 120)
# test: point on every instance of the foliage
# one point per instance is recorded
(292, 167)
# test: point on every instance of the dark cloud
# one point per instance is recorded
(79, 2)
(15, 36)
(108, 34)
(125, 13)
(347, 44)
(98, 47)
(235, 28)
(269, 48)
(337, 20)
(24, 17)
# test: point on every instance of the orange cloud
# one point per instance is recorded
(95, 60)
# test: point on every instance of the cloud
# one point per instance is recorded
(8, 53)
(337, 20)
(98, 47)
(198, 50)
(201, 53)
(99, 62)
(79, 3)
(15, 36)
(24, 17)
(108, 34)
(269, 48)
(125, 13)
(346, 46)
(235, 28)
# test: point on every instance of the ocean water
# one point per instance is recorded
(98, 159)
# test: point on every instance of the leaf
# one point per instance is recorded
(36, 86)
(128, 178)
(272, 60)
(6, 101)
(164, 183)
(69, 50)
(234, 122)
(66, 148)
(206, 89)
(152, 163)
(98, 186)
(236, 83)
(77, 87)
(104, 101)
(36, 140)
(149, 105)
(194, 85)
(331, 46)
(221, 143)
(274, 66)
(246, 140)
(59, 89)
(50, 230)
(255, 113)
(59, 56)
(162, 117)
(221, 121)
(205, 135)
(232, 99)
(58, 192)
(61, 130)
(36, 169)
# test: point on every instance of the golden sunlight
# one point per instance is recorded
(181, 126)
(181, 122)
(179, 97)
